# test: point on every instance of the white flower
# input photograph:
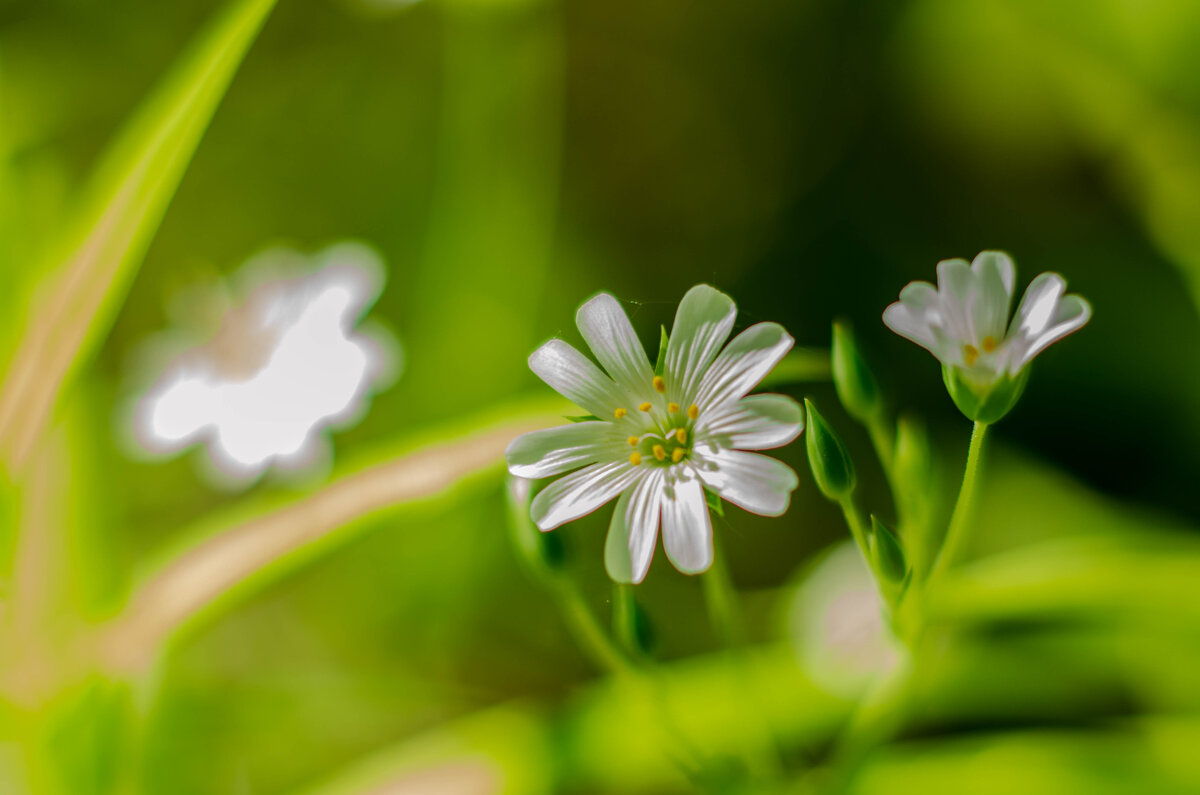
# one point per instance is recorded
(659, 442)
(285, 362)
(964, 320)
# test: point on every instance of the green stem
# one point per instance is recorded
(884, 441)
(591, 636)
(956, 533)
(857, 527)
(722, 602)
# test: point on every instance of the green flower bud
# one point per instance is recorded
(856, 387)
(831, 465)
(887, 553)
(986, 401)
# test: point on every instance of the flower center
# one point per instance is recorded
(971, 353)
(669, 444)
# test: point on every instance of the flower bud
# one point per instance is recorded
(987, 401)
(887, 553)
(831, 465)
(856, 387)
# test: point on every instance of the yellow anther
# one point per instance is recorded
(659, 452)
(619, 413)
(681, 435)
(970, 354)
(633, 440)
(645, 406)
(677, 455)
(989, 344)
(659, 384)
(693, 411)
(635, 458)
(673, 408)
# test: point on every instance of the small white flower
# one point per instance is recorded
(659, 442)
(964, 322)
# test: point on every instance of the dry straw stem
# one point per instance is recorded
(220, 563)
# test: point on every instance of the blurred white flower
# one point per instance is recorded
(658, 442)
(285, 362)
(837, 625)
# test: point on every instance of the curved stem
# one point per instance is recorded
(962, 508)
(595, 641)
(721, 601)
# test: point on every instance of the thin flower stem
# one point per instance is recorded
(722, 602)
(857, 527)
(962, 508)
(591, 636)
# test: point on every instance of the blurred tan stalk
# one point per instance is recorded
(220, 563)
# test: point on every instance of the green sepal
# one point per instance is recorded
(984, 402)
(827, 456)
(856, 386)
(660, 365)
(714, 503)
(541, 553)
(887, 553)
(581, 418)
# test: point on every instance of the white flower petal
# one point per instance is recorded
(956, 289)
(580, 493)
(576, 378)
(609, 334)
(542, 454)
(995, 277)
(1044, 317)
(702, 324)
(742, 364)
(757, 422)
(916, 314)
(757, 483)
(641, 517)
(687, 528)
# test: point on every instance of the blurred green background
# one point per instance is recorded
(508, 158)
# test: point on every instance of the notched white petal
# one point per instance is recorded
(687, 528)
(702, 324)
(580, 493)
(576, 378)
(757, 422)
(743, 364)
(608, 332)
(991, 300)
(642, 516)
(757, 483)
(549, 452)
(1046, 320)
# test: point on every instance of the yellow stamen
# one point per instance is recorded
(659, 384)
(633, 440)
(619, 413)
(989, 344)
(677, 455)
(693, 411)
(681, 435)
(970, 354)
(635, 458)
(645, 406)
(659, 452)
(673, 408)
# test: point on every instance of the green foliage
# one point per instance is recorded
(830, 462)
(856, 386)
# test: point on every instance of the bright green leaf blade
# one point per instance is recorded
(96, 256)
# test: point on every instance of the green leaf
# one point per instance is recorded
(661, 364)
(856, 386)
(100, 248)
(581, 418)
(888, 553)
